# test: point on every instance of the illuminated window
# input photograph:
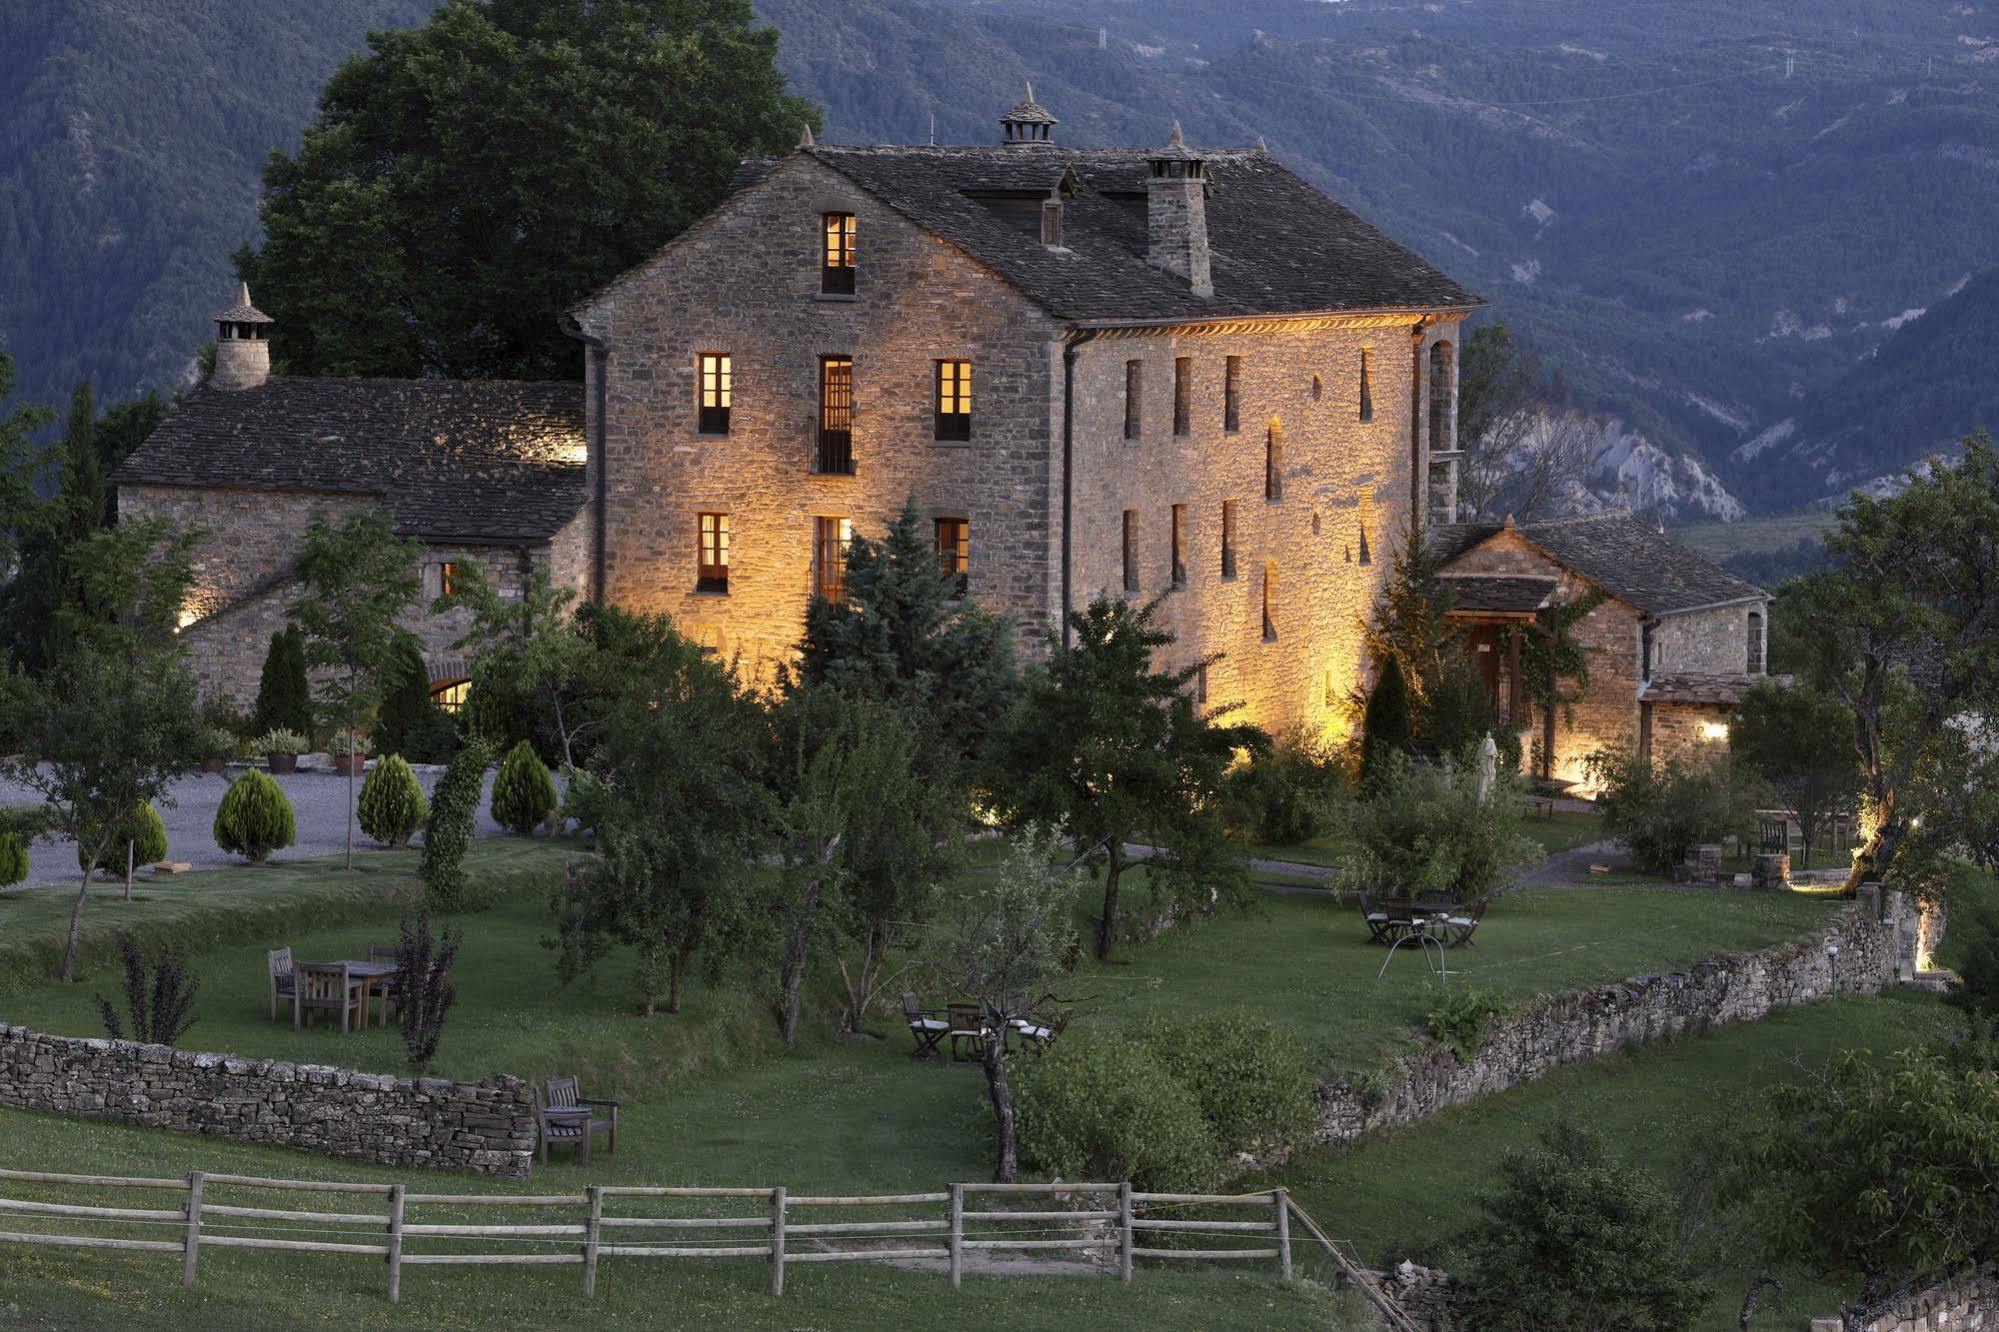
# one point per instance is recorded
(954, 400)
(1131, 550)
(1270, 602)
(717, 372)
(1232, 394)
(1366, 386)
(450, 695)
(836, 415)
(1183, 389)
(1366, 524)
(1179, 545)
(830, 539)
(712, 569)
(836, 268)
(1273, 463)
(954, 550)
(1228, 538)
(442, 579)
(1134, 388)
(1441, 403)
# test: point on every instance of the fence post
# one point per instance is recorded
(957, 1234)
(1124, 1227)
(1283, 1201)
(191, 1246)
(395, 1243)
(590, 1233)
(777, 1240)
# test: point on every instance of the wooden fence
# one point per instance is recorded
(409, 1229)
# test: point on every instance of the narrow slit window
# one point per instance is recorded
(1366, 384)
(1228, 538)
(717, 388)
(1755, 643)
(836, 415)
(1366, 525)
(1134, 388)
(1131, 550)
(1273, 463)
(1270, 603)
(1183, 394)
(1201, 683)
(954, 400)
(836, 269)
(954, 551)
(1442, 433)
(1179, 545)
(712, 567)
(830, 538)
(1232, 394)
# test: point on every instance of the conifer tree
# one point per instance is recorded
(284, 699)
(1385, 726)
(1411, 623)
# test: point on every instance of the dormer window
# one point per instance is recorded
(836, 267)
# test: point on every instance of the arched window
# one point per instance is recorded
(1756, 642)
(1442, 404)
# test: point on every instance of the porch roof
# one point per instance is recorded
(1498, 594)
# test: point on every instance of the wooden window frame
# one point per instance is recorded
(1183, 395)
(836, 254)
(835, 456)
(831, 536)
(954, 551)
(951, 397)
(711, 551)
(714, 391)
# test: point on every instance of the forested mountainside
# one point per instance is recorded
(1712, 216)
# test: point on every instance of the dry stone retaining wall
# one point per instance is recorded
(488, 1128)
(1971, 1305)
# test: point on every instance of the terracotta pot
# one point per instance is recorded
(345, 764)
(282, 762)
(215, 765)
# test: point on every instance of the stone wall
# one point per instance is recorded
(488, 1128)
(1585, 1024)
(1681, 730)
(1971, 1305)
(1709, 642)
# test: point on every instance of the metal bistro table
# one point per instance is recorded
(372, 978)
(1427, 930)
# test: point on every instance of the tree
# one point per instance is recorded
(1796, 740)
(1529, 451)
(468, 181)
(422, 989)
(1411, 624)
(392, 805)
(284, 698)
(1384, 727)
(117, 723)
(533, 646)
(255, 818)
(682, 809)
(23, 465)
(355, 581)
(524, 795)
(1575, 1240)
(1115, 752)
(1905, 634)
(1884, 1176)
(454, 804)
(1551, 655)
(906, 634)
(1660, 807)
(1004, 942)
(406, 719)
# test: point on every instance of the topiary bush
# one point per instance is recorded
(523, 794)
(255, 818)
(449, 830)
(143, 830)
(13, 860)
(391, 807)
(1106, 1108)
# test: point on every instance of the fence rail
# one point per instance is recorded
(1112, 1221)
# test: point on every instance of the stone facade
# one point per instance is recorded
(488, 1128)
(1582, 1025)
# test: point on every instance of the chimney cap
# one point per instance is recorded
(1176, 149)
(243, 312)
(1027, 111)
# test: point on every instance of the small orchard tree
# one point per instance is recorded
(1800, 742)
(354, 581)
(1884, 1177)
(1115, 751)
(1004, 942)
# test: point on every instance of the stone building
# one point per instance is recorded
(1141, 371)
(1672, 642)
(480, 470)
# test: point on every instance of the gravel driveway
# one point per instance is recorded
(319, 800)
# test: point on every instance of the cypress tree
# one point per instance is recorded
(284, 699)
(406, 705)
(1385, 725)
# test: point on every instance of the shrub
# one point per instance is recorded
(523, 794)
(392, 806)
(1246, 1075)
(255, 818)
(1424, 832)
(449, 830)
(284, 698)
(405, 696)
(143, 831)
(159, 997)
(1660, 810)
(1573, 1239)
(587, 800)
(1105, 1108)
(1458, 1021)
(13, 860)
(1288, 795)
(422, 988)
(1384, 728)
(278, 742)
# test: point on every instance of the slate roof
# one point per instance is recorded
(474, 460)
(1631, 560)
(1498, 592)
(1686, 687)
(1278, 246)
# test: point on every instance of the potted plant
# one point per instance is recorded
(350, 753)
(215, 751)
(279, 749)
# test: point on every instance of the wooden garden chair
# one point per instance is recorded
(1459, 929)
(566, 1116)
(1037, 1033)
(966, 1026)
(925, 1027)
(316, 989)
(1387, 920)
(279, 963)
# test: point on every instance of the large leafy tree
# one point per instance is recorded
(1905, 634)
(1114, 751)
(1796, 740)
(467, 181)
(355, 579)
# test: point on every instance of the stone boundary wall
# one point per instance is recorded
(1971, 1305)
(488, 1128)
(1876, 948)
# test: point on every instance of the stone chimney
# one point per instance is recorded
(1029, 124)
(1176, 213)
(242, 345)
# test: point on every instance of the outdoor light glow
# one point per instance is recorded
(1714, 730)
(186, 617)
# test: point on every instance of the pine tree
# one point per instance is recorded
(1411, 622)
(1385, 727)
(284, 699)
